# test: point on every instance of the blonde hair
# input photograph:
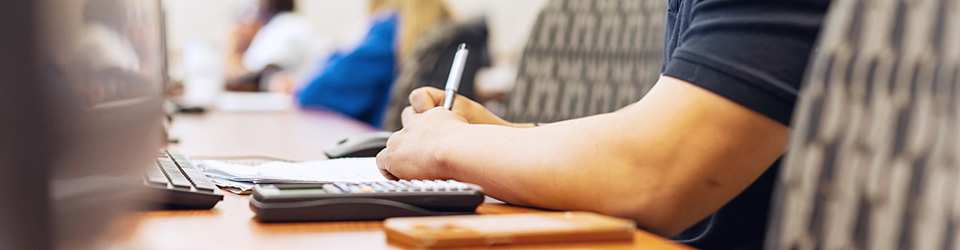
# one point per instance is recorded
(416, 18)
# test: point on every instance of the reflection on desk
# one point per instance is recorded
(294, 135)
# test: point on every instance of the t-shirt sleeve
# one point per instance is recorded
(753, 52)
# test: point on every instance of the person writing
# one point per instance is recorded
(694, 159)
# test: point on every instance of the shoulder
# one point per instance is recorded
(751, 51)
(384, 20)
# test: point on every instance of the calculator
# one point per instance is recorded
(347, 201)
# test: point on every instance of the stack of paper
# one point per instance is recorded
(240, 178)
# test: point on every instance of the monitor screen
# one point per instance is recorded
(107, 52)
(101, 63)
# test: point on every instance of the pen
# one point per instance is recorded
(456, 71)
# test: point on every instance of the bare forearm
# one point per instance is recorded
(667, 161)
(571, 165)
(664, 162)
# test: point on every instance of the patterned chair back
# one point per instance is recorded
(873, 161)
(429, 64)
(586, 57)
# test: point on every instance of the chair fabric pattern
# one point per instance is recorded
(429, 64)
(585, 57)
(873, 155)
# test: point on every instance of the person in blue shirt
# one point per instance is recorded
(356, 81)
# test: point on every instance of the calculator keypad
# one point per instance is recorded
(397, 186)
(373, 200)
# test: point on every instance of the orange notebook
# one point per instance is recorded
(503, 229)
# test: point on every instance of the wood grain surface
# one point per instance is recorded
(292, 135)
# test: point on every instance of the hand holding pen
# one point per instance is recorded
(426, 98)
(456, 71)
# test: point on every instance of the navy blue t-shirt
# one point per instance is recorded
(753, 52)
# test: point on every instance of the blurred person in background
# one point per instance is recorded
(270, 48)
(356, 79)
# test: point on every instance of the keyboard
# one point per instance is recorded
(181, 185)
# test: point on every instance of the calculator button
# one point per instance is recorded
(330, 188)
(431, 185)
(407, 185)
(452, 185)
(387, 186)
(418, 185)
(445, 186)
(342, 186)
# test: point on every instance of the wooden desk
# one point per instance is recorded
(290, 135)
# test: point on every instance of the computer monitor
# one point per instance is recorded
(80, 116)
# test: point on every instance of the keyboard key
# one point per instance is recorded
(183, 161)
(154, 175)
(174, 174)
(199, 180)
(186, 164)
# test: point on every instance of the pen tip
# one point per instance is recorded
(462, 46)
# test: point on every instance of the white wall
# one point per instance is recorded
(336, 19)
(209, 21)
(200, 20)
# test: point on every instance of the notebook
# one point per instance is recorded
(240, 177)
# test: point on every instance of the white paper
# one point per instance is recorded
(236, 187)
(336, 170)
(259, 101)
